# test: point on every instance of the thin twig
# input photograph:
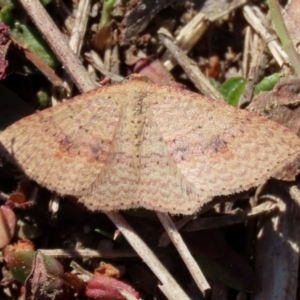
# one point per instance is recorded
(283, 34)
(190, 67)
(216, 10)
(247, 51)
(76, 38)
(115, 63)
(39, 63)
(87, 253)
(171, 287)
(184, 252)
(191, 33)
(94, 59)
(253, 64)
(80, 270)
(80, 23)
(127, 295)
(232, 218)
(58, 44)
(188, 36)
(295, 194)
(164, 239)
(273, 45)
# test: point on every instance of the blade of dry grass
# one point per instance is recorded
(232, 218)
(188, 36)
(273, 45)
(80, 23)
(283, 34)
(76, 38)
(184, 252)
(168, 283)
(190, 67)
(87, 253)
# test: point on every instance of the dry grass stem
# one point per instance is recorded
(80, 23)
(191, 33)
(58, 44)
(247, 51)
(283, 34)
(80, 270)
(271, 40)
(164, 240)
(127, 295)
(41, 65)
(232, 218)
(94, 59)
(295, 193)
(76, 37)
(255, 66)
(171, 289)
(187, 38)
(184, 252)
(87, 253)
(107, 58)
(190, 67)
(115, 58)
(215, 10)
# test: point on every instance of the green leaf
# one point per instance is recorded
(6, 14)
(232, 90)
(44, 98)
(106, 12)
(27, 231)
(20, 264)
(105, 233)
(45, 2)
(26, 34)
(267, 84)
(31, 38)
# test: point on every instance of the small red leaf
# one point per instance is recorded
(7, 225)
(106, 288)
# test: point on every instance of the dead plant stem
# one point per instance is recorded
(59, 44)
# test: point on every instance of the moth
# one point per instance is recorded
(140, 144)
